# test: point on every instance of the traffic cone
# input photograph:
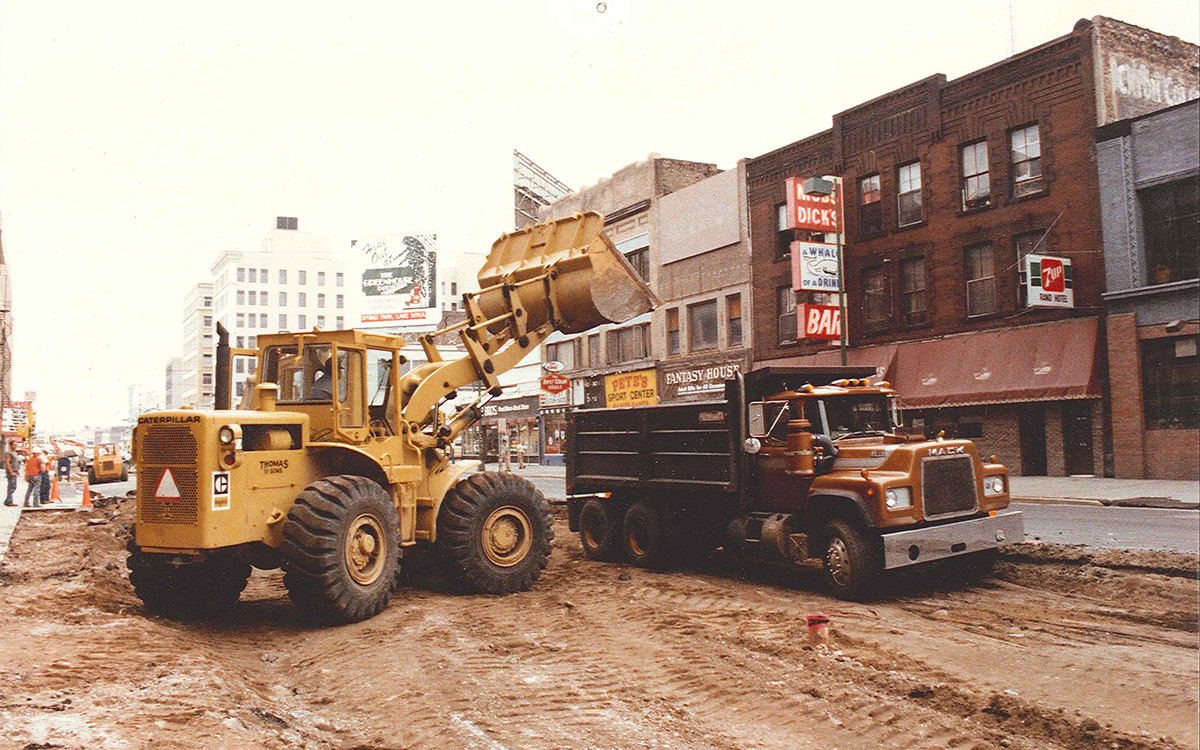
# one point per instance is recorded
(54, 498)
(86, 503)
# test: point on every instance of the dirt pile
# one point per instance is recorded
(1063, 648)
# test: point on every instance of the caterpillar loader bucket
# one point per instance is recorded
(566, 272)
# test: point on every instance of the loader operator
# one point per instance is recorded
(322, 389)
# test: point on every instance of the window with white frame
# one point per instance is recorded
(976, 187)
(908, 199)
(979, 267)
(1026, 150)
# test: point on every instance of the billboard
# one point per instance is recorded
(1048, 282)
(396, 277)
(814, 267)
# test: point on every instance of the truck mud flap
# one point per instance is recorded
(903, 548)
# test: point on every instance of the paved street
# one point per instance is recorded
(1113, 527)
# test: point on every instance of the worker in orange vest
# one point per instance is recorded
(33, 477)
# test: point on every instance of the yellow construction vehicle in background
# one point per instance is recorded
(338, 459)
(107, 464)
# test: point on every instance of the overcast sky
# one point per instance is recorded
(139, 140)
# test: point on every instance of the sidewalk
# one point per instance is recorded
(1137, 493)
(71, 495)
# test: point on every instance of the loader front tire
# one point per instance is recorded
(189, 591)
(341, 549)
(495, 533)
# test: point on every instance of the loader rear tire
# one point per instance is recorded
(600, 530)
(495, 533)
(341, 549)
(191, 591)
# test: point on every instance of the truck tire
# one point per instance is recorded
(495, 533)
(341, 549)
(642, 535)
(852, 560)
(191, 591)
(600, 530)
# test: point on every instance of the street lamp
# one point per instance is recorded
(833, 186)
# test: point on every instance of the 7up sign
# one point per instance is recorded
(1048, 282)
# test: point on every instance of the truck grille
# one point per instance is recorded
(180, 511)
(166, 444)
(948, 486)
(162, 447)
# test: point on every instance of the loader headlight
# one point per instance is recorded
(993, 485)
(226, 436)
(898, 497)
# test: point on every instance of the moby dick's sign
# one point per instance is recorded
(816, 213)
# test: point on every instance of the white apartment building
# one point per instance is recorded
(295, 282)
(173, 385)
(199, 347)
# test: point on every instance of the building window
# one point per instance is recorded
(870, 213)
(302, 277)
(241, 274)
(1171, 383)
(241, 389)
(1030, 242)
(320, 278)
(241, 297)
(673, 331)
(785, 318)
(321, 321)
(283, 322)
(253, 275)
(208, 302)
(303, 300)
(627, 344)
(206, 378)
(702, 326)
(981, 280)
(241, 341)
(1026, 160)
(908, 201)
(640, 260)
(239, 365)
(251, 321)
(1171, 217)
(733, 314)
(594, 350)
(976, 187)
(253, 341)
(340, 279)
(262, 320)
(454, 288)
(875, 299)
(341, 322)
(577, 351)
(563, 351)
(283, 299)
(251, 298)
(207, 321)
(340, 302)
(783, 235)
(302, 322)
(241, 320)
(282, 276)
(262, 276)
(912, 290)
(320, 300)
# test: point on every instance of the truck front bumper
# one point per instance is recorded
(902, 548)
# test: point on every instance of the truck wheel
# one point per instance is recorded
(600, 530)
(495, 533)
(642, 535)
(190, 591)
(852, 560)
(341, 549)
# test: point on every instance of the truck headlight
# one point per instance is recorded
(226, 436)
(993, 486)
(898, 497)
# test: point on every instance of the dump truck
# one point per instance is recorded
(339, 461)
(794, 464)
(107, 464)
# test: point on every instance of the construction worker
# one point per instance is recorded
(12, 468)
(33, 478)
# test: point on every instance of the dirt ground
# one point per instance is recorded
(1063, 648)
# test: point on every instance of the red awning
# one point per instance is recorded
(1047, 362)
(882, 358)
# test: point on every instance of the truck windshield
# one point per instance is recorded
(853, 416)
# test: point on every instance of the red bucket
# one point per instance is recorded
(818, 629)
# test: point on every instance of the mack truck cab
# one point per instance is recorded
(795, 464)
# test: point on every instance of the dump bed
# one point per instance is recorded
(669, 448)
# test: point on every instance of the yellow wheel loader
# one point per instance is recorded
(338, 461)
(107, 465)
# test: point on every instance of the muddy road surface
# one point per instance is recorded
(1062, 648)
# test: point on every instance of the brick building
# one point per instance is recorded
(949, 185)
(614, 363)
(1149, 169)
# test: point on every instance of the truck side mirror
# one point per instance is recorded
(764, 416)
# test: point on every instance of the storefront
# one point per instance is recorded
(510, 423)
